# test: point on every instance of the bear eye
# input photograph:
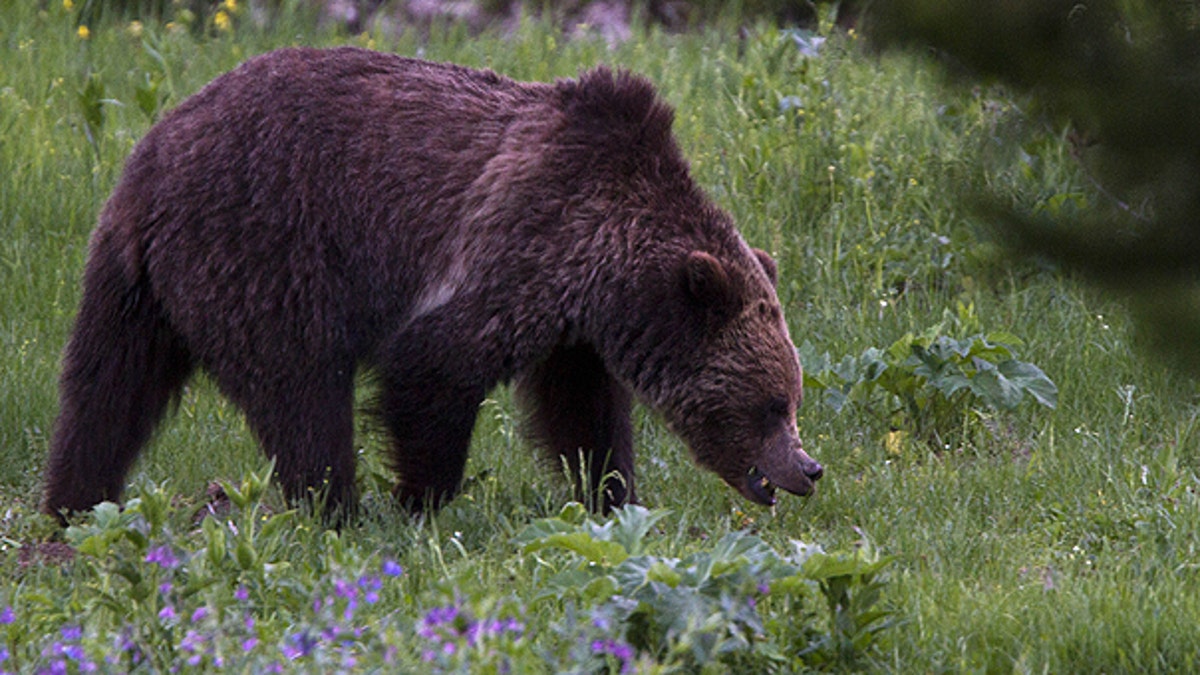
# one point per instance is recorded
(778, 407)
(766, 311)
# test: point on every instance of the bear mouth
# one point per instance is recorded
(758, 488)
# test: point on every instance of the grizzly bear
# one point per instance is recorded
(317, 211)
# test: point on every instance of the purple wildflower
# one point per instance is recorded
(371, 585)
(440, 615)
(167, 614)
(344, 589)
(67, 652)
(298, 645)
(191, 641)
(511, 625)
(200, 614)
(123, 646)
(74, 652)
(249, 644)
(473, 631)
(7, 615)
(162, 556)
(619, 650)
(165, 588)
(392, 568)
(241, 594)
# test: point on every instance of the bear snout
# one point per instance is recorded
(785, 465)
(813, 469)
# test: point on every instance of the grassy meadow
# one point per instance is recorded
(952, 532)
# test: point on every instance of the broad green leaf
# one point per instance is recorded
(594, 550)
(994, 388)
(274, 525)
(664, 573)
(871, 365)
(835, 399)
(950, 382)
(600, 589)
(214, 536)
(1005, 338)
(633, 573)
(900, 350)
(1031, 378)
(573, 513)
(632, 523)
(810, 360)
(246, 556)
(541, 529)
(823, 567)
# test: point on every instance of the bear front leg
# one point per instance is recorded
(581, 416)
(430, 419)
(306, 424)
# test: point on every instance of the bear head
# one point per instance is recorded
(688, 314)
(737, 409)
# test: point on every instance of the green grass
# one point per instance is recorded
(1047, 541)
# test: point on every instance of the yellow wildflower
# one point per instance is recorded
(83, 32)
(221, 20)
(68, 5)
(135, 28)
(230, 5)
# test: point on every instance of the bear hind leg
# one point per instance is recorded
(580, 415)
(122, 368)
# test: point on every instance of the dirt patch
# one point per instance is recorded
(45, 553)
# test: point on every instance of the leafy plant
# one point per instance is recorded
(852, 590)
(707, 606)
(927, 383)
(91, 107)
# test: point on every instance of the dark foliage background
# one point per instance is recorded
(1123, 80)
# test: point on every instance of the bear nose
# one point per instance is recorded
(814, 471)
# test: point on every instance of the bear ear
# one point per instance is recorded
(768, 265)
(708, 284)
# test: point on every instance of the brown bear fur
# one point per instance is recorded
(312, 212)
